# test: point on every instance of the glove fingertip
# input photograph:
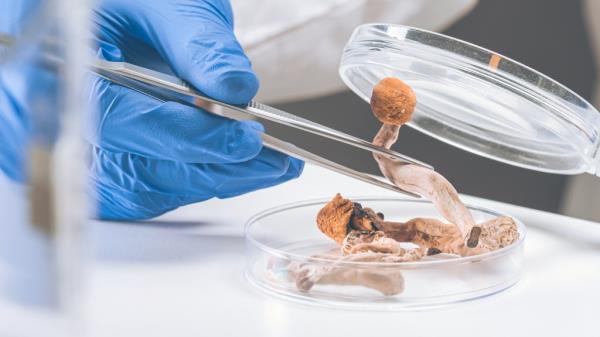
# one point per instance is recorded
(246, 142)
(110, 52)
(295, 169)
(255, 125)
(236, 87)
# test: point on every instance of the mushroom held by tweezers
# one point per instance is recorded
(365, 236)
(393, 103)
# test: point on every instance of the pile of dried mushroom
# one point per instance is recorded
(365, 236)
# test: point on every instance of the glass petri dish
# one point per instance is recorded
(478, 100)
(282, 238)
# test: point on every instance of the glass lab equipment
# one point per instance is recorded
(478, 100)
(285, 239)
(43, 203)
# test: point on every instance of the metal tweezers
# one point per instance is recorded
(165, 88)
(169, 88)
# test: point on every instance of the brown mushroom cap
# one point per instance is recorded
(339, 216)
(393, 101)
(334, 217)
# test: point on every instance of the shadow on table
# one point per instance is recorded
(165, 224)
(156, 242)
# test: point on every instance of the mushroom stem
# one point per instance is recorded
(423, 181)
(393, 103)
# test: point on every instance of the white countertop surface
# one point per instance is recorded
(182, 275)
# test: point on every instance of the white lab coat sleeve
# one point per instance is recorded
(295, 46)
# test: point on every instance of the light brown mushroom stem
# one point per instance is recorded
(422, 181)
(388, 282)
(393, 102)
(435, 235)
(359, 246)
(378, 242)
(440, 237)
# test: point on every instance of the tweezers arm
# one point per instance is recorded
(285, 118)
(309, 157)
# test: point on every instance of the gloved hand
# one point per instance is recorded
(151, 157)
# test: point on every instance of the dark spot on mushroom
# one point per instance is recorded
(473, 239)
(433, 251)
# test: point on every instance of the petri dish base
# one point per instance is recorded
(287, 236)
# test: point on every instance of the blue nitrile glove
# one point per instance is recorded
(151, 157)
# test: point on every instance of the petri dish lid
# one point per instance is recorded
(476, 99)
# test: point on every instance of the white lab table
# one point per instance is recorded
(182, 275)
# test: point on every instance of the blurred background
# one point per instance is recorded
(552, 36)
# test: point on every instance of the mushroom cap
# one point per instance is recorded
(495, 234)
(393, 101)
(499, 232)
(333, 219)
